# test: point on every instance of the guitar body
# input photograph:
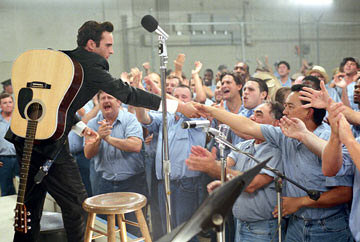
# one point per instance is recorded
(45, 83)
(48, 78)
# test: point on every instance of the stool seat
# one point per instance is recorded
(115, 203)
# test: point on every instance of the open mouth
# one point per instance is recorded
(107, 107)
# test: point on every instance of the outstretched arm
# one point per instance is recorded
(236, 122)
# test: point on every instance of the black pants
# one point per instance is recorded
(64, 184)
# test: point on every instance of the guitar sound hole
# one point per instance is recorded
(34, 111)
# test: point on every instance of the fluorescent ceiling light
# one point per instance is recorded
(313, 2)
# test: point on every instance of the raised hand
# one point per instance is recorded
(293, 128)
(125, 77)
(198, 66)
(137, 77)
(335, 113)
(345, 133)
(152, 86)
(339, 80)
(179, 62)
(316, 99)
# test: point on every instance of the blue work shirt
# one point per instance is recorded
(304, 167)
(243, 112)
(6, 148)
(288, 83)
(180, 142)
(349, 168)
(112, 163)
(259, 205)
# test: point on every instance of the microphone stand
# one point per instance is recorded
(166, 161)
(220, 234)
(313, 194)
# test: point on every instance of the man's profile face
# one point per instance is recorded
(357, 92)
(293, 107)
(105, 48)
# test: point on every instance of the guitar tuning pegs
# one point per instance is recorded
(28, 213)
(16, 218)
(16, 225)
(28, 227)
(28, 220)
(22, 226)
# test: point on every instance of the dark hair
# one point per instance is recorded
(262, 85)
(319, 113)
(239, 80)
(276, 109)
(346, 59)
(5, 95)
(314, 80)
(184, 86)
(93, 30)
(280, 94)
(221, 68)
(209, 70)
(285, 63)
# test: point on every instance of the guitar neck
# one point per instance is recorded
(25, 161)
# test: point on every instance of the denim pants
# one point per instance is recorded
(332, 229)
(265, 230)
(185, 196)
(9, 169)
(84, 168)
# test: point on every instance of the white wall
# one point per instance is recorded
(273, 30)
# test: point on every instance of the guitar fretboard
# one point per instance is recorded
(25, 161)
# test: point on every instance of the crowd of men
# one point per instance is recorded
(308, 124)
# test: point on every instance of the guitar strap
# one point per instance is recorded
(44, 169)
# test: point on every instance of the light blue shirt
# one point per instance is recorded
(288, 83)
(6, 148)
(348, 168)
(112, 163)
(243, 112)
(304, 167)
(76, 143)
(180, 142)
(257, 206)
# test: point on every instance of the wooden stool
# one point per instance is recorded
(112, 204)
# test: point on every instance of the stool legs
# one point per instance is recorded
(111, 227)
(89, 224)
(122, 227)
(143, 226)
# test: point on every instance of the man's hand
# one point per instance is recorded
(146, 66)
(188, 109)
(339, 80)
(152, 86)
(179, 62)
(104, 129)
(201, 159)
(148, 139)
(137, 77)
(293, 128)
(345, 133)
(316, 99)
(90, 135)
(213, 185)
(198, 66)
(125, 77)
(335, 113)
(289, 206)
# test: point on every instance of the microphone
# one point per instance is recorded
(151, 25)
(195, 124)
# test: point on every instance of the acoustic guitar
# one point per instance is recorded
(45, 83)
